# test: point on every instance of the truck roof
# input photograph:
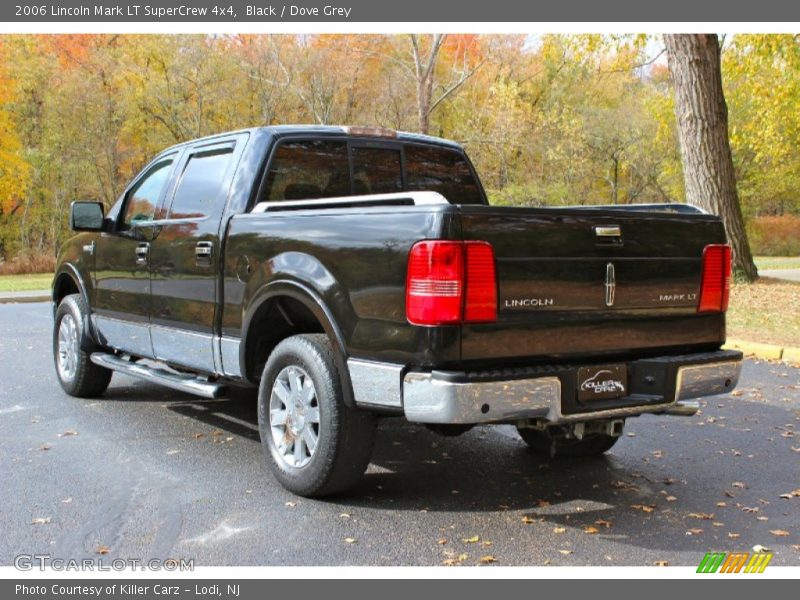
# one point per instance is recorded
(332, 130)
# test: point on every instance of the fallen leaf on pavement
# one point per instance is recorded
(760, 548)
(449, 562)
(528, 520)
(350, 540)
(670, 498)
(290, 504)
(67, 433)
(441, 541)
(648, 508)
(694, 531)
(700, 515)
(102, 549)
(40, 521)
(734, 536)
(44, 447)
(591, 530)
(565, 552)
(762, 518)
(661, 563)
(722, 504)
(487, 559)
(559, 529)
(739, 484)
(779, 532)
(471, 540)
(603, 523)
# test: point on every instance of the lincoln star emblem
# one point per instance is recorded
(611, 284)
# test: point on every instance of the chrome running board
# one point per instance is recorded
(184, 383)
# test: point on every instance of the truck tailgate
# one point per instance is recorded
(572, 281)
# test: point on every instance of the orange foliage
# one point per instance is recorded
(775, 236)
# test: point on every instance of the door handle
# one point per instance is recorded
(142, 251)
(203, 252)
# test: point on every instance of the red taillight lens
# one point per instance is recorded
(716, 282)
(435, 283)
(448, 283)
(481, 303)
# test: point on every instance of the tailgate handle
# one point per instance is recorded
(607, 231)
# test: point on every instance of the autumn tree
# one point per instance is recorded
(702, 114)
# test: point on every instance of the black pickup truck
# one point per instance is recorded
(352, 273)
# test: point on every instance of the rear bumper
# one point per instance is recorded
(656, 385)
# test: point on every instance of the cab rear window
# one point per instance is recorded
(433, 169)
(315, 169)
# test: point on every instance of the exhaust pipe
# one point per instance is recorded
(683, 408)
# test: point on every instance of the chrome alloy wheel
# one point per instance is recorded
(68, 348)
(294, 416)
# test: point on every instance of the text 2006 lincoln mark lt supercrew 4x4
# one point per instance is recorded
(352, 273)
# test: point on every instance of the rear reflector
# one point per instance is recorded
(449, 283)
(716, 282)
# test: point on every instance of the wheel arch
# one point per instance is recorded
(270, 303)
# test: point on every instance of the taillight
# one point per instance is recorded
(449, 283)
(716, 282)
(481, 303)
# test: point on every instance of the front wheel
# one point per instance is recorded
(76, 372)
(590, 445)
(314, 443)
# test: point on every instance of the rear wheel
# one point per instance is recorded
(314, 443)
(541, 442)
(71, 350)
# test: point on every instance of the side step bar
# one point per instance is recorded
(176, 381)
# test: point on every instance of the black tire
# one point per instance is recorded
(83, 379)
(591, 445)
(345, 436)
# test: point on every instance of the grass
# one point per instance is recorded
(767, 311)
(25, 283)
(778, 262)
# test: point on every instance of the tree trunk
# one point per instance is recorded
(424, 92)
(702, 115)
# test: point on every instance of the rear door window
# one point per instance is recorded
(200, 184)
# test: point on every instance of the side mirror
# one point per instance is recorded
(87, 216)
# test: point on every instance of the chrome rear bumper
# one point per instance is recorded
(445, 398)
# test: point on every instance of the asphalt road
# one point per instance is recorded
(787, 274)
(145, 472)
